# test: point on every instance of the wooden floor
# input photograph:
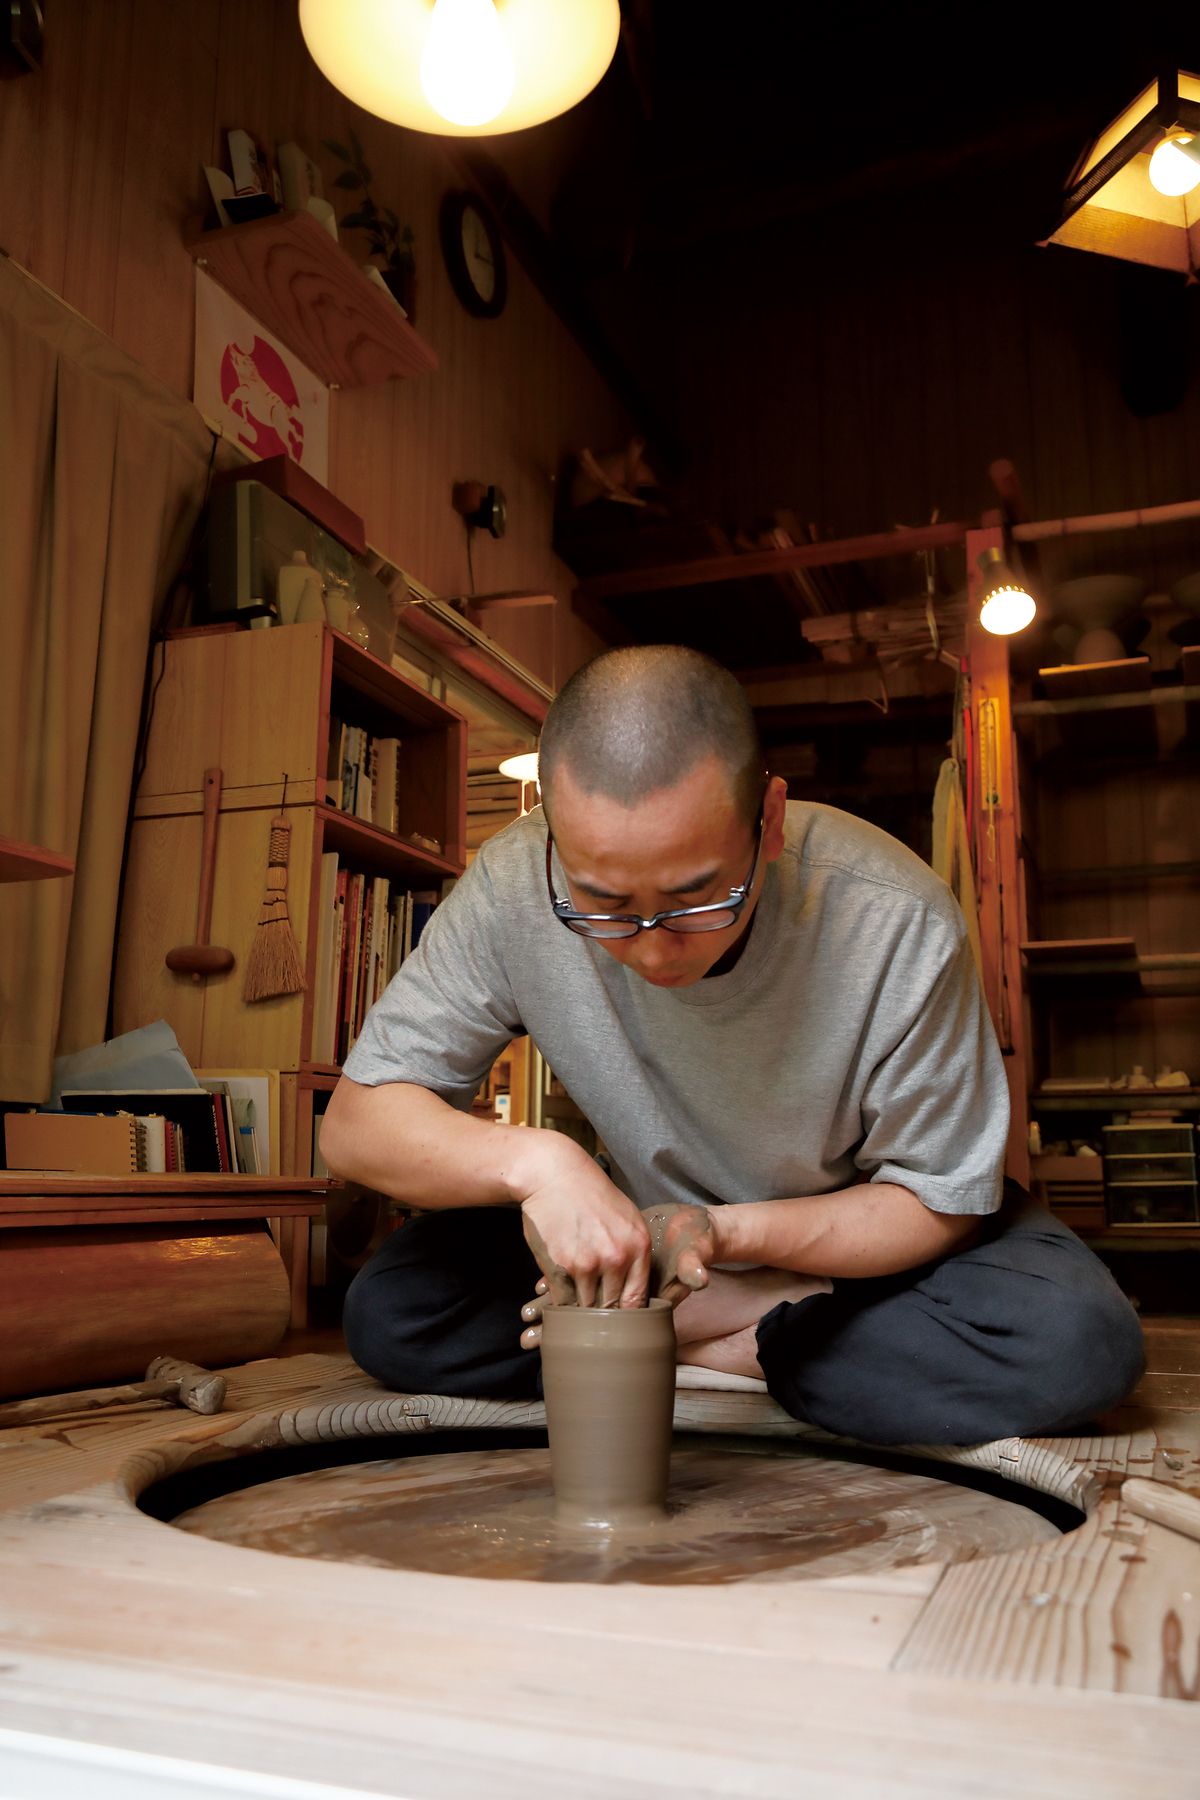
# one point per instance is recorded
(1066, 1667)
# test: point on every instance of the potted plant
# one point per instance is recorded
(391, 243)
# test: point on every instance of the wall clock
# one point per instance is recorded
(474, 255)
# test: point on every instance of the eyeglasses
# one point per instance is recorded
(715, 916)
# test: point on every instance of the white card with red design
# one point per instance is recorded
(254, 389)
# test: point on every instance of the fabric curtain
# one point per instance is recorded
(102, 474)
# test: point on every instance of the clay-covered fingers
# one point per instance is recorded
(681, 1240)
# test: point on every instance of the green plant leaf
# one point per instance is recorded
(347, 179)
(364, 174)
(338, 149)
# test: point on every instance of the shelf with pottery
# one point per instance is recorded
(30, 862)
(293, 276)
(257, 704)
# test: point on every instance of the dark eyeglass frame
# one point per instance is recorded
(577, 922)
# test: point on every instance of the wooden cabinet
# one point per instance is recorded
(257, 704)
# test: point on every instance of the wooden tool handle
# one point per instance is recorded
(198, 1388)
(208, 853)
(1165, 1505)
(56, 1406)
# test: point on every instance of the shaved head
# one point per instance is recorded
(633, 722)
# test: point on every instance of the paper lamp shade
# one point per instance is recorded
(523, 61)
(1113, 207)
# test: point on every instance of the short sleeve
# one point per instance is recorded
(935, 1106)
(449, 1011)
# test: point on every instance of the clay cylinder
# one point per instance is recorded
(609, 1378)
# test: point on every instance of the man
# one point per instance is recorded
(768, 1011)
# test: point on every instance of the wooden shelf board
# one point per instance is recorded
(1143, 1237)
(379, 852)
(377, 681)
(179, 1187)
(1075, 681)
(1118, 1100)
(29, 862)
(305, 288)
(1064, 950)
(1116, 874)
(1119, 702)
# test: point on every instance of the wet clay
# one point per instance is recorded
(609, 1381)
(678, 1234)
(737, 1511)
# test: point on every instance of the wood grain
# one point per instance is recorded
(308, 290)
(123, 1632)
(83, 1306)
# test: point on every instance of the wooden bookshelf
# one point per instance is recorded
(29, 862)
(303, 286)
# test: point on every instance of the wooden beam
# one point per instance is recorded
(703, 571)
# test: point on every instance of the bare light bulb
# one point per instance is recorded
(1175, 165)
(467, 70)
(1006, 610)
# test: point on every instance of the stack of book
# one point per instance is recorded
(362, 773)
(158, 1131)
(366, 926)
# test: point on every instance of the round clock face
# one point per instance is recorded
(477, 254)
(474, 255)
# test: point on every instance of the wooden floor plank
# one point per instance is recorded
(1058, 1670)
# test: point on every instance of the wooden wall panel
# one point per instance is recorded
(100, 177)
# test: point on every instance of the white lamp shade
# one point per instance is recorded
(373, 50)
(1114, 207)
(521, 768)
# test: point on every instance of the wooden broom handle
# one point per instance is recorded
(208, 853)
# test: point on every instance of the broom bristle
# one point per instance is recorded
(273, 967)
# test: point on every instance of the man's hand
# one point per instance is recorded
(588, 1239)
(682, 1241)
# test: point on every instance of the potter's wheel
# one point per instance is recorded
(738, 1512)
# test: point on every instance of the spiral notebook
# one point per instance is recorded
(75, 1143)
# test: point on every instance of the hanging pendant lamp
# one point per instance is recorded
(462, 68)
(1135, 191)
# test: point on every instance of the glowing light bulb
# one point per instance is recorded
(1006, 610)
(467, 70)
(1175, 165)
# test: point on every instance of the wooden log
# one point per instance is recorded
(83, 1306)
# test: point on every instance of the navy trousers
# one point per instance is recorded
(1023, 1334)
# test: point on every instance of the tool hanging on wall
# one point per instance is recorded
(989, 800)
(202, 958)
(273, 966)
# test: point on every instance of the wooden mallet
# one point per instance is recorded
(202, 958)
(183, 1383)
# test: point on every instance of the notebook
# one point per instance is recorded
(75, 1143)
(194, 1110)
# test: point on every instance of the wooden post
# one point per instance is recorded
(995, 824)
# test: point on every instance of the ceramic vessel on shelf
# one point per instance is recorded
(299, 592)
(1098, 602)
(1186, 595)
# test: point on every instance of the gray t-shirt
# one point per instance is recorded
(849, 1043)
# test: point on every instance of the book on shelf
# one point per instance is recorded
(365, 929)
(364, 769)
(75, 1143)
(200, 1116)
(253, 1097)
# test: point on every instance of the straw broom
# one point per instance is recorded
(273, 966)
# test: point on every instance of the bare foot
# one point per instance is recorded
(735, 1300)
